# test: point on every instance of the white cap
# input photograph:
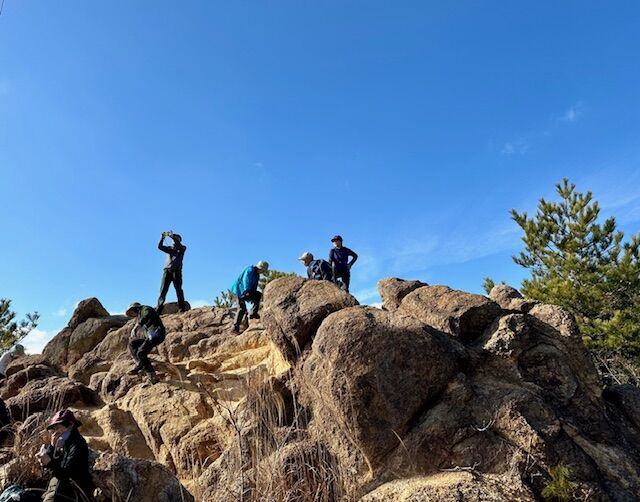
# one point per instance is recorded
(306, 256)
(262, 265)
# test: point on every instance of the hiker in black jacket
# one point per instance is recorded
(5, 421)
(67, 458)
(316, 269)
(146, 334)
(172, 270)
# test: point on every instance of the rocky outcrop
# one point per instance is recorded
(89, 324)
(510, 298)
(463, 315)
(358, 362)
(393, 290)
(441, 395)
(295, 307)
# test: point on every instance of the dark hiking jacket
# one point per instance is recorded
(70, 465)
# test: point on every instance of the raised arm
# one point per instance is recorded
(161, 245)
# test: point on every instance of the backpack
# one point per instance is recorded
(15, 493)
(320, 270)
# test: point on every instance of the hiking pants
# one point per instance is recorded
(171, 276)
(252, 297)
(140, 349)
(345, 275)
(64, 491)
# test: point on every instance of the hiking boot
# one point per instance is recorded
(153, 378)
(133, 371)
(235, 332)
(254, 316)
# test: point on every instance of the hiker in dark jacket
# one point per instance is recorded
(316, 269)
(339, 260)
(172, 270)
(67, 458)
(5, 422)
(245, 289)
(146, 334)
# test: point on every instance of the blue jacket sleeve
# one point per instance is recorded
(250, 280)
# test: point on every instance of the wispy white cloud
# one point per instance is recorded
(455, 247)
(196, 304)
(35, 341)
(525, 142)
(516, 147)
(574, 113)
(61, 312)
(366, 294)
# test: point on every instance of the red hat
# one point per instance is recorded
(62, 417)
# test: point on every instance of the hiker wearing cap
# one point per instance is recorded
(172, 270)
(14, 353)
(339, 260)
(316, 269)
(145, 335)
(245, 289)
(67, 458)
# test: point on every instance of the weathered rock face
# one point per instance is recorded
(358, 362)
(89, 323)
(460, 314)
(393, 290)
(510, 298)
(294, 308)
(441, 395)
(122, 478)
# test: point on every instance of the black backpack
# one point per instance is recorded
(320, 270)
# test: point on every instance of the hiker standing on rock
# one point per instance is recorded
(245, 289)
(14, 353)
(67, 457)
(339, 260)
(172, 270)
(319, 270)
(146, 334)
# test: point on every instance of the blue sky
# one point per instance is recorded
(259, 129)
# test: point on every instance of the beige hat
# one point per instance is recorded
(306, 256)
(262, 265)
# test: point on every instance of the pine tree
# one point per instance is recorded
(12, 331)
(585, 267)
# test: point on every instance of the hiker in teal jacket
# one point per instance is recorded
(245, 289)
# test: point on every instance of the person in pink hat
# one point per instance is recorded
(67, 458)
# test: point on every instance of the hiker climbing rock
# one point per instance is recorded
(339, 260)
(316, 269)
(67, 458)
(245, 289)
(14, 353)
(172, 270)
(146, 334)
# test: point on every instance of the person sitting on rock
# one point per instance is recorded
(5, 422)
(14, 353)
(172, 270)
(339, 260)
(146, 334)
(245, 289)
(316, 269)
(67, 458)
